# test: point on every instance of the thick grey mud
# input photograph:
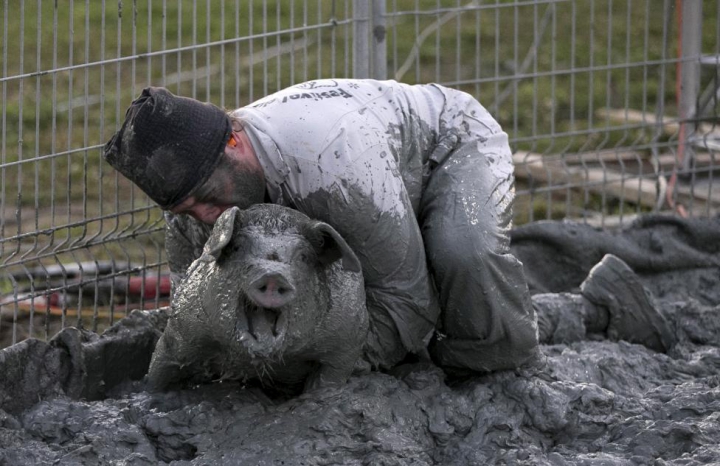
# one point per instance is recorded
(594, 403)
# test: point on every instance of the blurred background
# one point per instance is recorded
(611, 107)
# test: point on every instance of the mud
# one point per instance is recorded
(593, 403)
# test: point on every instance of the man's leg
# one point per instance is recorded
(487, 320)
(613, 302)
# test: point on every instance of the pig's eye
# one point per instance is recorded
(304, 257)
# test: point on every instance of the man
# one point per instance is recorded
(417, 179)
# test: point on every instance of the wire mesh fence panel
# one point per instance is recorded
(80, 245)
(611, 107)
(588, 92)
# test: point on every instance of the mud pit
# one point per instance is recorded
(595, 402)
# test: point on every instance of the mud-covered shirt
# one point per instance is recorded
(356, 154)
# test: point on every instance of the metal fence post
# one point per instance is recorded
(361, 39)
(689, 79)
(379, 40)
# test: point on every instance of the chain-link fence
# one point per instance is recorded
(611, 107)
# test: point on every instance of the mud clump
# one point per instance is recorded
(594, 402)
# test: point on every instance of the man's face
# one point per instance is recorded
(205, 212)
(238, 183)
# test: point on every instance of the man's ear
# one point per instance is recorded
(330, 246)
(222, 232)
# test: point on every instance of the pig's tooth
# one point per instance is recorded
(275, 318)
(263, 322)
(279, 327)
(241, 328)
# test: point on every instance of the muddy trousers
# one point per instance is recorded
(567, 317)
(613, 303)
(487, 321)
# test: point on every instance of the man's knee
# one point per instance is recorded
(517, 348)
(451, 259)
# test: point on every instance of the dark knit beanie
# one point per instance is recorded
(168, 145)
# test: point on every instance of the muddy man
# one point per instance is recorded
(418, 179)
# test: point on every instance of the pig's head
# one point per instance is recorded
(275, 267)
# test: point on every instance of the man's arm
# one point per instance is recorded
(364, 198)
(184, 240)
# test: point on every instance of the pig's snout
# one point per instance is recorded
(271, 290)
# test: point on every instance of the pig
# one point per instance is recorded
(275, 296)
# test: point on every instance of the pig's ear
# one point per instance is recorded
(330, 246)
(222, 233)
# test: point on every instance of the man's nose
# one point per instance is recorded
(209, 213)
(205, 215)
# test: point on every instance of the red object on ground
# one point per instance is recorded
(153, 285)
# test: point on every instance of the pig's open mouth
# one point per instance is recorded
(264, 325)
